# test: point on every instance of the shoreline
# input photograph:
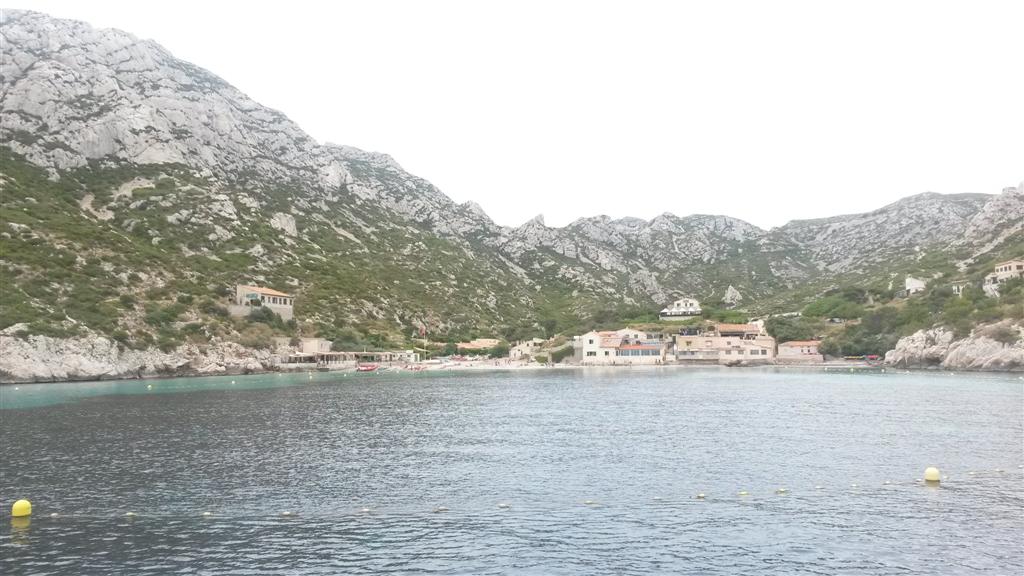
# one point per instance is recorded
(491, 366)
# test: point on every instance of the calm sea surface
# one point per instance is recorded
(599, 471)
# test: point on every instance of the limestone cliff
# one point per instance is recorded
(989, 347)
(94, 357)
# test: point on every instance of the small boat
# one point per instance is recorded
(367, 367)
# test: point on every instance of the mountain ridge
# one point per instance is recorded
(166, 159)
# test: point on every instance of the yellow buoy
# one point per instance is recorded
(743, 492)
(781, 491)
(21, 508)
(700, 496)
(931, 474)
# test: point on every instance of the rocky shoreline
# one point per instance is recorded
(93, 357)
(938, 348)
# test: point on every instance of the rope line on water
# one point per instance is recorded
(21, 511)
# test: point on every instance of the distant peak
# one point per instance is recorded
(537, 220)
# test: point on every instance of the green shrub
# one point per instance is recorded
(213, 309)
(159, 316)
(1003, 335)
(256, 335)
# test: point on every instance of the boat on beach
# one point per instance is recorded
(367, 367)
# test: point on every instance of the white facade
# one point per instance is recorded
(619, 347)
(314, 345)
(914, 285)
(681, 309)
(800, 351)
(249, 297)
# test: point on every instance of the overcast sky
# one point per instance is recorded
(766, 111)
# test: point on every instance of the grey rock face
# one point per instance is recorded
(937, 348)
(93, 357)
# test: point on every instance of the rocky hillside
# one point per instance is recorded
(137, 188)
(993, 347)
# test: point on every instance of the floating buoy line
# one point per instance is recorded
(22, 509)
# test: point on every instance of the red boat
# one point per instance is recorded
(367, 367)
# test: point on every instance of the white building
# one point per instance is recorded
(314, 345)
(249, 297)
(619, 347)
(914, 285)
(800, 351)
(681, 309)
(725, 344)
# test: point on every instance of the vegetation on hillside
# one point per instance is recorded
(881, 326)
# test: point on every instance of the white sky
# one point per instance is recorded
(766, 111)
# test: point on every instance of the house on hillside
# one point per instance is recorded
(1002, 272)
(914, 285)
(249, 297)
(681, 309)
(1005, 271)
(800, 352)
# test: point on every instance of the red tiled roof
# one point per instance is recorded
(266, 291)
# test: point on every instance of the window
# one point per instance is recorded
(728, 352)
(606, 353)
(591, 353)
(764, 352)
(591, 341)
(689, 343)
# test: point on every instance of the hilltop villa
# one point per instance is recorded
(1006, 271)
(249, 297)
(681, 309)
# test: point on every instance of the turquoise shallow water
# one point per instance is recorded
(638, 445)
